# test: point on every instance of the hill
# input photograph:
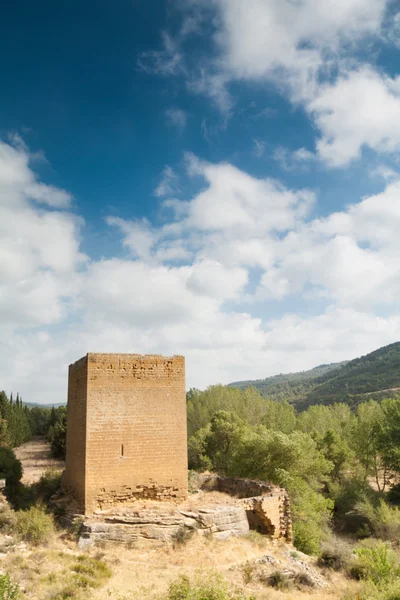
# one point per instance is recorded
(372, 375)
(39, 405)
(290, 386)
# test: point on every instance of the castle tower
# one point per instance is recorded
(126, 429)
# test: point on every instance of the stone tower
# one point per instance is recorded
(126, 429)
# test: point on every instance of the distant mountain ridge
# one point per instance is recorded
(39, 405)
(348, 381)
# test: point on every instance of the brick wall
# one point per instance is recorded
(135, 429)
(74, 475)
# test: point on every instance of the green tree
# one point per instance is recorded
(279, 416)
(58, 434)
(366, 441)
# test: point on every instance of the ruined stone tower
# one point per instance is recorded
(126, 429)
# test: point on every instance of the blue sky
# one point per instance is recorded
(218, 179)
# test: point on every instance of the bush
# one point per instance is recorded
(20, 496)
(206, 586)
(182, 536)
(304, 580)
(7, 520)
(49, 484)
(347, 496)
(393, 494)
(10, 467)
(279, 580)
(34, 525)
(307, 537)
(335, 555)
(90, 572)
(57, 435)
(8, 589)
(376, 562)
(383, 520)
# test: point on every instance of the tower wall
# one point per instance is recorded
(135, 441)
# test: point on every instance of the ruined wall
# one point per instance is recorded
(74, 475)
(135, 429)
(267, 506)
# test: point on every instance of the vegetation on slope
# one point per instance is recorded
(349, 382)
(327, 457)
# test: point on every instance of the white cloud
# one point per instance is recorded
(235, 200)
(139, 236)
(349, 256)
(39, 248)
(309, 50)
(187, 288)
(259, 36)
(168, 184)
(360, 109)
(176, 117)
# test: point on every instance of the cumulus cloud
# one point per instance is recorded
(188, 285)
(39, 248)
(361, 108)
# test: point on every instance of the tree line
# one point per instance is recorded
(20, 423)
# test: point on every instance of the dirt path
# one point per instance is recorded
(36, 459)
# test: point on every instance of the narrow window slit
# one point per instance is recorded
(122, 450)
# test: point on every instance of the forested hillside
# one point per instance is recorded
(290, 386)
(350, 382)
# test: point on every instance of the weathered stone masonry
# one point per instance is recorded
(126, 429)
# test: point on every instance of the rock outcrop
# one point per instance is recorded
(163, 526)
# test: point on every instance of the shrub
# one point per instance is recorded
(7, 519)
(376, 562)
(182, 536)
(93, 569)
(206, 586)
(307, 537)
(49, 484)
(34, 525)
(20, 496)
(335, 555)
(304, 580)
(247, 570)
(57, 435)
(8, 589)
(348, 495)
(383, 520)
(393, 494)
(10, 467)
(279, 580)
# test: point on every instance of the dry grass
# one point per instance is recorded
(57, 572)
(144, 574)
(36, 459)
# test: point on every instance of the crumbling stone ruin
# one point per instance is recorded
(127, 451)
(267, 506)
(251, 505)
(126, 429)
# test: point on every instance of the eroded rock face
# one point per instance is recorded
(153, 525)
